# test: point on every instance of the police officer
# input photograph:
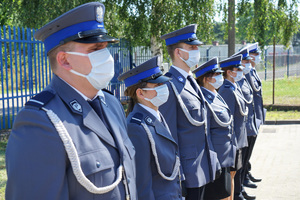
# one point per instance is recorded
(219, 123)
(256, 84)
(251, 127)
(233, 96)
(157, 160)
(70, 141)
(185, 113)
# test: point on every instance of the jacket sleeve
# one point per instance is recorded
(35, 159)
(139, 139)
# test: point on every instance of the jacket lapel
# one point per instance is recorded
(78, 105)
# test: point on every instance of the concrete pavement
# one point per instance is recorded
(276, 159)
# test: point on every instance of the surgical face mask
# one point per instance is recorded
(257, 59)
(194, 57)
(219, 81)
(102, 68)
(247, 68)
(239, 75)
(161, 97)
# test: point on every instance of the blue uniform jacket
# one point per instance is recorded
(222, 138)
(36, 161)
(256, 85)
(198, 159)
(150, 185)
(247, 91)
(239, 123)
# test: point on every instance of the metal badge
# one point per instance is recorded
(76, 106)
(149, 120)
(180, 79)
(209, 96)
(99, 14)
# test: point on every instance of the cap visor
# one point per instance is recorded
(160, 79)
(239, 67)
(97, 39)
(247, 58)
(218, 70)
(194, 42)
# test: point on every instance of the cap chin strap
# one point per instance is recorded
(74, 159)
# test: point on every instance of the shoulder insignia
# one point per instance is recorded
(41, 99)
(106, 90)
(136, 118)
(227, 86)
(168, 74)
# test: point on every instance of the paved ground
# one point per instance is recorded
(276, 159)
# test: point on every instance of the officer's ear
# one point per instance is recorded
(62, 60)
(140, 94)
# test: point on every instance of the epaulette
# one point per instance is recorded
(41, 99)
(137, 118)
(229, 86)
(168, 74)
(106, 90)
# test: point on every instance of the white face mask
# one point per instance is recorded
(102, 68)
(239, 75)
(194, 57)
(219, 81)
(161, 97)
(247, 68)
(256, 58)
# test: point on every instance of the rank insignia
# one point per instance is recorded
(76, 106)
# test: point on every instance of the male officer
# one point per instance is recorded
(185, 112)
(70, 140)
(251, 127)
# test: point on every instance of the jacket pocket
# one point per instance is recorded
(95, 161)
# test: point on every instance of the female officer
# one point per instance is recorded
(233, 96)
(157, 162)
(219, 122)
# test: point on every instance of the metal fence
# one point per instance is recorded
(25, 70)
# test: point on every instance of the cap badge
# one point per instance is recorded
(99, 14)
(76, 106)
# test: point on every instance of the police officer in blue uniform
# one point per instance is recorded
(219, 123)
(185, 113)
(70, 141)
(157, 160)
(233, 96)
(256, 84)
(251, 127)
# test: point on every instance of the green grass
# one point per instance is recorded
(282, 115)
(3, 176)
(287, 91)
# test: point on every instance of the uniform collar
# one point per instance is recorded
(233, 84)
(153, 112)
(210, 92)
(99, 93)
(181, 71)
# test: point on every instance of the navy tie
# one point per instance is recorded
(96, 105)
(193, 84)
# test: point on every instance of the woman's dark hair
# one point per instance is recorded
(131, 92)
(201, 78)
(225, 69)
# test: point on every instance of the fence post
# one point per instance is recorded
(207, 53)
(288, 63)
(266, 63)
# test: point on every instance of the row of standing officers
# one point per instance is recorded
(182, 138)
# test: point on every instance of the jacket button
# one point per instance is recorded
(98, 164)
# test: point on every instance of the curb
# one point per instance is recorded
(282, 122)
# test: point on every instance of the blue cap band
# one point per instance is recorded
(55, 39)
(206, 69)
(245, 55)
(135, 79)
(174, 40)
(226, 64)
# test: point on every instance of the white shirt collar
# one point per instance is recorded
(181, 71)
(99, 93)
(153, 112)
(212, 93)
